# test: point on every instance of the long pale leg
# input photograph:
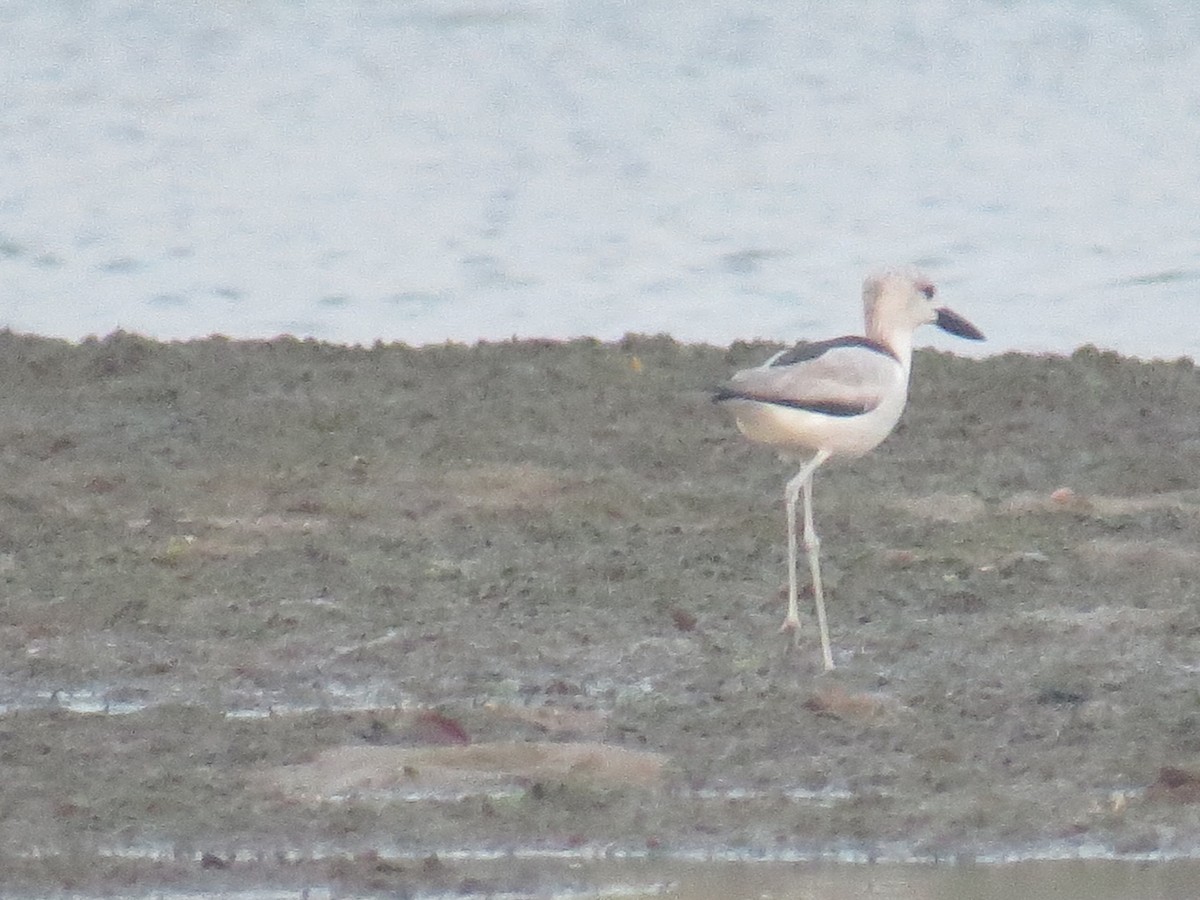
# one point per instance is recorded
(812, 544)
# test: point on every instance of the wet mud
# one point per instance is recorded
(545, 581)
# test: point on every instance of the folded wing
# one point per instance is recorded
(842, 377)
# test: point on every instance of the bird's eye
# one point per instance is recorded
(928, 290)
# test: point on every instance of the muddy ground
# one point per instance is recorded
(566, 543)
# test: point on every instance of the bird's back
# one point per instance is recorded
(844, 395)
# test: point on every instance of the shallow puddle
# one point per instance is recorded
(536, 877)
(115, 700)
(1061, 879)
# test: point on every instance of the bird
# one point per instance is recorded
(837, 397)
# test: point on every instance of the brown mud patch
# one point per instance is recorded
(226, 559)
(339, 772)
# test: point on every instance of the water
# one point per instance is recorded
(465, 169)
(572, 876)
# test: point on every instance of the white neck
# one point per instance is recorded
(900, 342)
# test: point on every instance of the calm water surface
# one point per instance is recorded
(630, 880)
(1061, 880)
(465, 169)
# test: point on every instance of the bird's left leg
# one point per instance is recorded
(791, 494)
(812, 544)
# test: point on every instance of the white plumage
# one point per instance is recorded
(839, 397)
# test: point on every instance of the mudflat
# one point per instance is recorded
(281, 609)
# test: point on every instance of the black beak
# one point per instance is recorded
(957, 325)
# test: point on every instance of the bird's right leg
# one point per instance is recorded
(791, 496)
(813, 545)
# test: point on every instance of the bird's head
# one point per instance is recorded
(897, 301)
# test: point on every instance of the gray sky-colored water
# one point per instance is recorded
(447, 169)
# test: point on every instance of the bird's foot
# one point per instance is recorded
(791, 625)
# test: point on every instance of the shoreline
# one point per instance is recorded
(630, 338)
